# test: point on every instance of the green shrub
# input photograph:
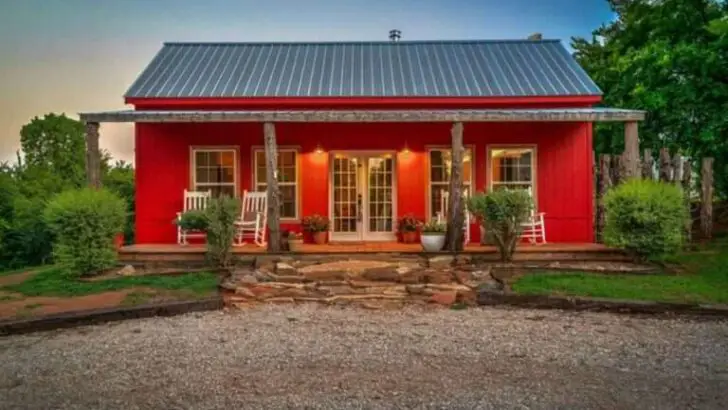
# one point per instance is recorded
(194, 220)
(221, 215)
(83, 223)
(502, 213)
(646, 218)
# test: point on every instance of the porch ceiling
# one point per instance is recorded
(489, 115)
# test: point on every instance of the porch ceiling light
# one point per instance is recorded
(319, 149)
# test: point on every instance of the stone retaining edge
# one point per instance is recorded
(98, 316)
(491, 298)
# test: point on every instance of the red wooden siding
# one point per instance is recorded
(564, 173)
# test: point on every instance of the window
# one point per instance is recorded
(512, 167)
(287, 179)
(215, 170)
(440, 165)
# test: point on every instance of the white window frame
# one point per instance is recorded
(534, 169)
(428, 194)
(296, 184)
(203, 186)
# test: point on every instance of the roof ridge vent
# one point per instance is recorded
(395, 35)
(536, 37)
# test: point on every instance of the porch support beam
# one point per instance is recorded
(631, 150)
(271, 171)
(93, 155)
(485, 115)
(456, 218)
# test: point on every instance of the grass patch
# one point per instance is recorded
(136, 298)
(705, 281)
(52, 282)
(26, 269)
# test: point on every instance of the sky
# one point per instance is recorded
(71, 56)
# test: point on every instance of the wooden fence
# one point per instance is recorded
(611, 170)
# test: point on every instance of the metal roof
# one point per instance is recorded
(477, 68)
(488, 115)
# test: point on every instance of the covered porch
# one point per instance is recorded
(275, 123)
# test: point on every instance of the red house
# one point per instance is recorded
(363, 129)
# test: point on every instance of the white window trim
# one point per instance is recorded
(297, 184)
(428, 192)
(534, 168)
(195, 186)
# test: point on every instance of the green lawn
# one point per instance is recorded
(26, 269)
(51, 282)
(705, 280)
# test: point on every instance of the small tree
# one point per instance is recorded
(221, 215)
(83, 223)
(502, 213)
(645, 218)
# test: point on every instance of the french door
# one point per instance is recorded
(362, 196)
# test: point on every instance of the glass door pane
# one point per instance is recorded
(380, 210)
(345, 190)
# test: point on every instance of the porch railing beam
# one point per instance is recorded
(271, 171)
(456, 217)
(93, 155)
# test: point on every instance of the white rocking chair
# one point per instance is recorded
(534, 229)
(443, 212)
(253, 218)
(193, 201)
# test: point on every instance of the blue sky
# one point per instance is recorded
(81, 55)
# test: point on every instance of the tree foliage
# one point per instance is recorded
(51, 160)
(670, 58)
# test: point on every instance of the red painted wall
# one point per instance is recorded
(564, 173)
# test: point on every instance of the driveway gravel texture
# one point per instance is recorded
(310, 356)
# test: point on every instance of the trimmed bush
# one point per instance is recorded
(194, 220)
(646, 218)
(221, 215)
(502, 212)
(83, 223)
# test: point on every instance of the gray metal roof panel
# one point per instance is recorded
(482, 68)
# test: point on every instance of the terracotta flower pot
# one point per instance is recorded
(319, 238)
(409, 236)
(119, 240)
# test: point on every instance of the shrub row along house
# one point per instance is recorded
(364, 130)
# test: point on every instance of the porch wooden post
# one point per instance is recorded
(456, 217)
(271, 172)
(706, 200)
(93, 155)
(631, 150)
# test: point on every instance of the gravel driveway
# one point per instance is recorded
(316, 357)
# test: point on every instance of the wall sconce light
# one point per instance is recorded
(406, 149)
(319, 149)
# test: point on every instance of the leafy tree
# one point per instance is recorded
(670, 58)
(56, 143)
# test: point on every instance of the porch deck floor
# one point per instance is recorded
(365, 247)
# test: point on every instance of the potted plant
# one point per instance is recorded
(192, 221)
(317, 226)
(295, 240)
(432, 236)
(407, 226)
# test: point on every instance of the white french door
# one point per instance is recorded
(362, 196)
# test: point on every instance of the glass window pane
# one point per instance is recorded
(227, 158)
(201, 158)
(201, 175)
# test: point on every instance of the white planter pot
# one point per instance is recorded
(432, 243)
